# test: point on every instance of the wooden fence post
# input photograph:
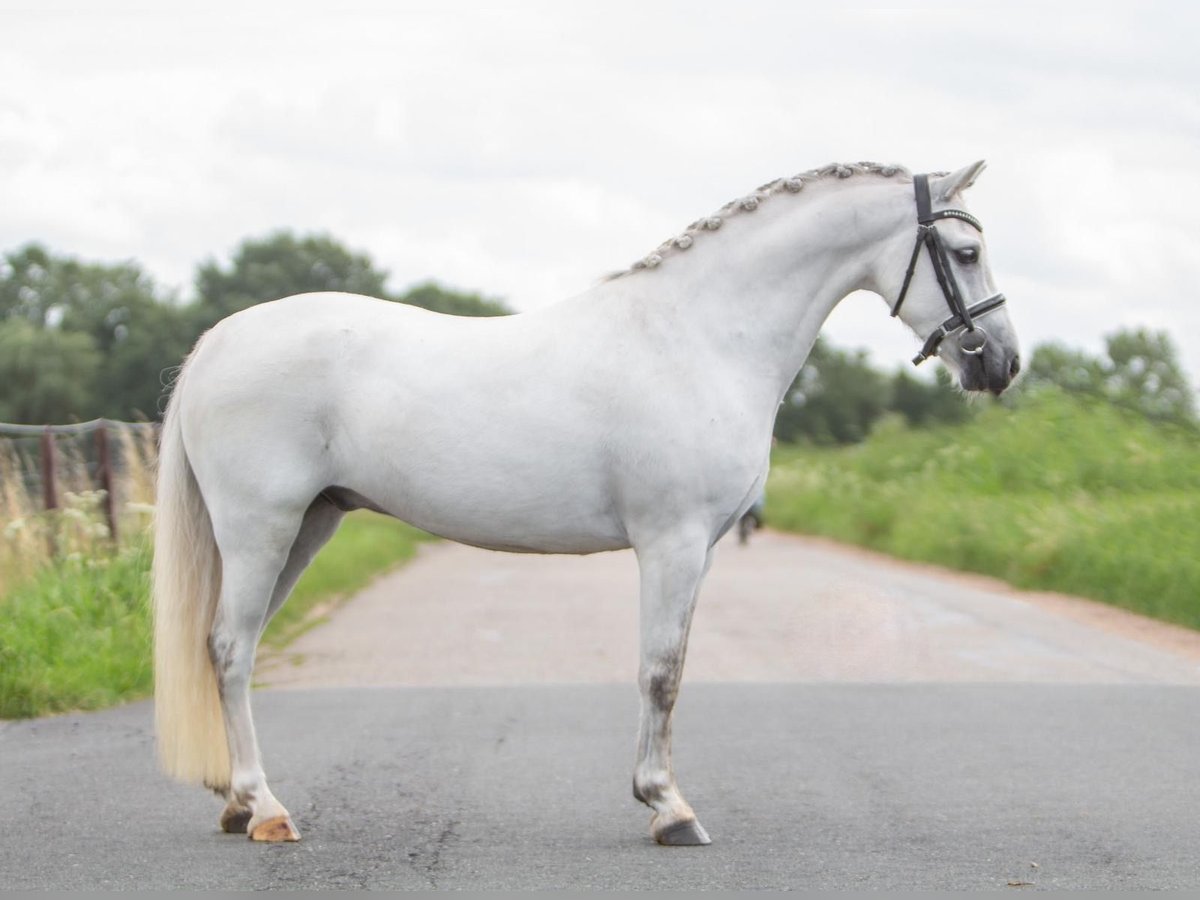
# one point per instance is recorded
(50, 485)
(104, 462)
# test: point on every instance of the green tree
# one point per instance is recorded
(1139, 370)
(924, 403)
(52, 291)
(130, 382)
(431, 295)
(280, 265)
(1144, 372)
(1072, 370)
(836, 398)
(46, 374)
(127, 334)
(131, 334)
(29, 284)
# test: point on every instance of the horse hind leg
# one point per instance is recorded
(255, 545)
(321, 520)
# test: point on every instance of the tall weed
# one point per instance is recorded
(32, 538)
(77, 635)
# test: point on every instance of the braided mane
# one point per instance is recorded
(792, 185)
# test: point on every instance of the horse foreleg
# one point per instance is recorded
(671, 572)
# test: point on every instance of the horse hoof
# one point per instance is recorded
(685, 833)
(235, 819)
(275, 830)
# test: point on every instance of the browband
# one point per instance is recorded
(924, 216)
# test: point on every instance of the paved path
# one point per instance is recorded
(962, 786)
(782, 609)
(873, 725)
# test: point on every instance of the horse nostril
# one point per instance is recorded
(1015, 366)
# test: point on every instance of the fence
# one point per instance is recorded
(39, 464)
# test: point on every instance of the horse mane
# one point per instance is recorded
(750, 202)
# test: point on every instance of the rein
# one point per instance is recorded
(962, 316)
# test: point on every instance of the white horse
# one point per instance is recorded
(636, 414)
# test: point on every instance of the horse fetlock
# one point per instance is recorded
(639, 794)
(245, 791)
(657, 790)
(647, 795)
(220, 788)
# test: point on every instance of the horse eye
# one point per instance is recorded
(967, 255)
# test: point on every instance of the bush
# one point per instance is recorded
(1060, 493)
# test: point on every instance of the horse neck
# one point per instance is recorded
(758, 290)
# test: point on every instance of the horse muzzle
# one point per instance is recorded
(984, 362)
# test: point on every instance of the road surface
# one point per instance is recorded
(846, 722)
(782, 609)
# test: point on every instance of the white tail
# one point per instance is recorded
(187, 585)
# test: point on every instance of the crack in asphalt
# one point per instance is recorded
(428, 859)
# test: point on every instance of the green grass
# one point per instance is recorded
(78, 635)
(1056, 494)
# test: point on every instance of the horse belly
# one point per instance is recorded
(475, 513)
(491, 491)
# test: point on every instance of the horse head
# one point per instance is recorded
(948, 296)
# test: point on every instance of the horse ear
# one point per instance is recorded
(947, 186)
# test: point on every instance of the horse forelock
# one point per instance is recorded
(748, 203)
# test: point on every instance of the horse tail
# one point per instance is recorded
(186, 587)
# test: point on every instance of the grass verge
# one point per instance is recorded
(77, 635)
(1056, 494)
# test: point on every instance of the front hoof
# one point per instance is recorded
(684, 833)
(235, 819)
(276, 830)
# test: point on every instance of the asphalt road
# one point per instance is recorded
(846, 722)
(801, 786)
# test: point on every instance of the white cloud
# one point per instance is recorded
(522, 151)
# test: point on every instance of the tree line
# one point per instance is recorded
(838, 397)
(82, 340)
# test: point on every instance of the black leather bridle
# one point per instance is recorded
(962, 316)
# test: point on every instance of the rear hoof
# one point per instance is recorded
(234, 819)
(276, 830)
(684, 833)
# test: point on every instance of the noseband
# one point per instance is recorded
(962, 316)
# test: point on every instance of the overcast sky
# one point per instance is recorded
(523, 150)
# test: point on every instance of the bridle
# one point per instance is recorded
(963, 316)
